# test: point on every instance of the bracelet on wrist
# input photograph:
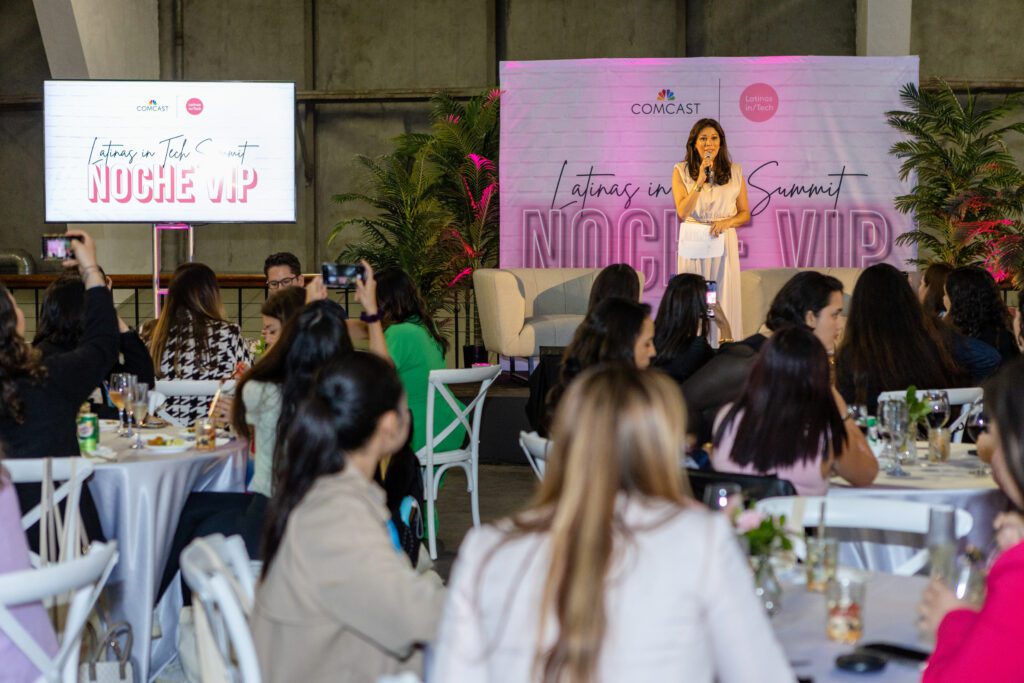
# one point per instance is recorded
(369, 319)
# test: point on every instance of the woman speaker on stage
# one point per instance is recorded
(709, 189)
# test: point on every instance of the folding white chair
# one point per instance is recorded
(190, 387)
(73, 471)
(861, 512)
(535, 448)
(966, 398)
(466, 458)
(85, 576)
(218, 572)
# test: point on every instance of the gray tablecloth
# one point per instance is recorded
(139, 499)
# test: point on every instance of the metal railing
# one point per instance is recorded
(243, 295)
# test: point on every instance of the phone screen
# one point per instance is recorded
(711, 297)
(56, 248)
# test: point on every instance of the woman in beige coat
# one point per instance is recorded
(338, 601)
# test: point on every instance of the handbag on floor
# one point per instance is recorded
(97, 668)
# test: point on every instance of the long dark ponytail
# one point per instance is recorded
(339, 413)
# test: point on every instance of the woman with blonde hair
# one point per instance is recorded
(613, 573)
(192, 339)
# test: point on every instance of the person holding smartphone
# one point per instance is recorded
(688, 311)
(709, 188)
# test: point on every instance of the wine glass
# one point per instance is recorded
(938, 408)
(977, 424)
(138, 410)
(119, 383)
(895, 419)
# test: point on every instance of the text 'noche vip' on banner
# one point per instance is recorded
(588, 147)
(154, 151)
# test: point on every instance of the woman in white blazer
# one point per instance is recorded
(613, 573)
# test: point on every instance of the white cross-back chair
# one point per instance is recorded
(434, 463)
(73, 472)
(84, 577)
(861, 512)
(173, 388)
(535, 448)
(217, 570)
(967, 399)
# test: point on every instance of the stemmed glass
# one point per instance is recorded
(938, 408)
(859, 413)
(977, 424)
(894, 419)
(120, 384)
(137, 411)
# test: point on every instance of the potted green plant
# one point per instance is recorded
(967, 187)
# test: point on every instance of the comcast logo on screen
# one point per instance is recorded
(151, 106)
(665, 105)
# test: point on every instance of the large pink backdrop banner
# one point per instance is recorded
(588, 146)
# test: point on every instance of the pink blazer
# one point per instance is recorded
(985, 645)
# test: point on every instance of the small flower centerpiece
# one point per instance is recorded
(764, 536)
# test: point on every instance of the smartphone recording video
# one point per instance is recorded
(341, 275)
(711, 297)
(56, 248)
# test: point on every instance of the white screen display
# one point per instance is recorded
(169, 151)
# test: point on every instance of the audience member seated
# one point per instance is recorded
(338, 599)
(617, 280)
(271, 391)
(614, 331)
(192, 339)
(59, 329)
(32, 617)
(789, 422)
(980, 644)
(931, 290)
(40, 398)
(614, 573)
(277, 310)
(283, 270)
(809, 299)
(976, 310)
(889, 344)
(682, 326)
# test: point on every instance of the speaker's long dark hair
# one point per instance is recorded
(313, 337)
(338, 413)
(399, 300)
(722, 168)
(786, 411)
(62, 314)
(17, 359)
(682, 316)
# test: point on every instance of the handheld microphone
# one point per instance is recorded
(707, 170)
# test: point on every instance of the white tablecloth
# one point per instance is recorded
(949, 483)
(139, 499)
(889, 616)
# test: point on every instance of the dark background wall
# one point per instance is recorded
(365, 70)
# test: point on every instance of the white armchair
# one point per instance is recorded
(522, 309)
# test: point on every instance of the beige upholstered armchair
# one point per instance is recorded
(522, 309)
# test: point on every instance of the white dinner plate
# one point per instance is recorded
(109, 425)
(168, 449)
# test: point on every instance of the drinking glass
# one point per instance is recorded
(859, 413)
(844, 601)
(938, 408)
(139, 410)
(726, 496)
(820, 562)
(977, 424)
(119, 382)
(895, 419)
(942, 542)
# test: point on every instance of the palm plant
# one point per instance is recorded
(410, 228)
(968, 187)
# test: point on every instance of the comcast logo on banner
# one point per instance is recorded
(151, 106)
(664, 105)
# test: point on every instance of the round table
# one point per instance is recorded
(950, 483)
(139, 496)
(889, 616)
